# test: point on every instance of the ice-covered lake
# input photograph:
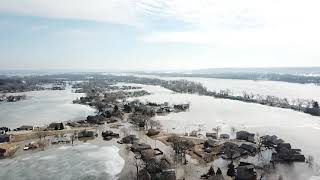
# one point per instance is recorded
(272, 88)
(81, 162)
(43, 107)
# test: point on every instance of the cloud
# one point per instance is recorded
(268, 30)
(114, 11)
(272, 24)
(246, 13)
(203, 14)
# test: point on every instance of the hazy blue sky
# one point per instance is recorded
(158, 34)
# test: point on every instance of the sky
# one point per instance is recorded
(158, 34)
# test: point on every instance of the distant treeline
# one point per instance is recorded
(16, 84)
(292, 78)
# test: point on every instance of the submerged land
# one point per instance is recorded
(149, 150)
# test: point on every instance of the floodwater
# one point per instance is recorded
(81, 162)
(90, 161)
(43, 107)
(272, 88)
(299, 129)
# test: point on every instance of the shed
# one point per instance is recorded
(244, 135)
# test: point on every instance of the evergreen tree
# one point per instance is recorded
(211, 172)
(108, 114)
(61, 126)
(115, 108)
(231, 171)
(56, 127)
(127, 108)
(206, 144)
(219, 172)
(315, 105)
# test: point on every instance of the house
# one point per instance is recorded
(181, 107)
(56, 126)
(86, 133)
(66, 138)
(246, 136)
(286, 154)
(138, 147)
(224, 136)
(108, 135)
(282, 146)
(210, 143)
(193, 134)
(246, 171)
(95, 119)
(232, 151)
(152, 132)
(130, 139)
(25, 128)
(249, 147)
(212, 135)
(160, 169)
(271, 141)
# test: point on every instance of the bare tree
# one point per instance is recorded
(154, 123)
(140, 119)
(180, 146)
(245, 95)
(138, 163)
(299, 104)
(125, 131)
(310, 161)
(41, 134)
(260, 148)
(73, 137)
(280, 177)
(217, 130)
(233, 130)
(315, 104)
